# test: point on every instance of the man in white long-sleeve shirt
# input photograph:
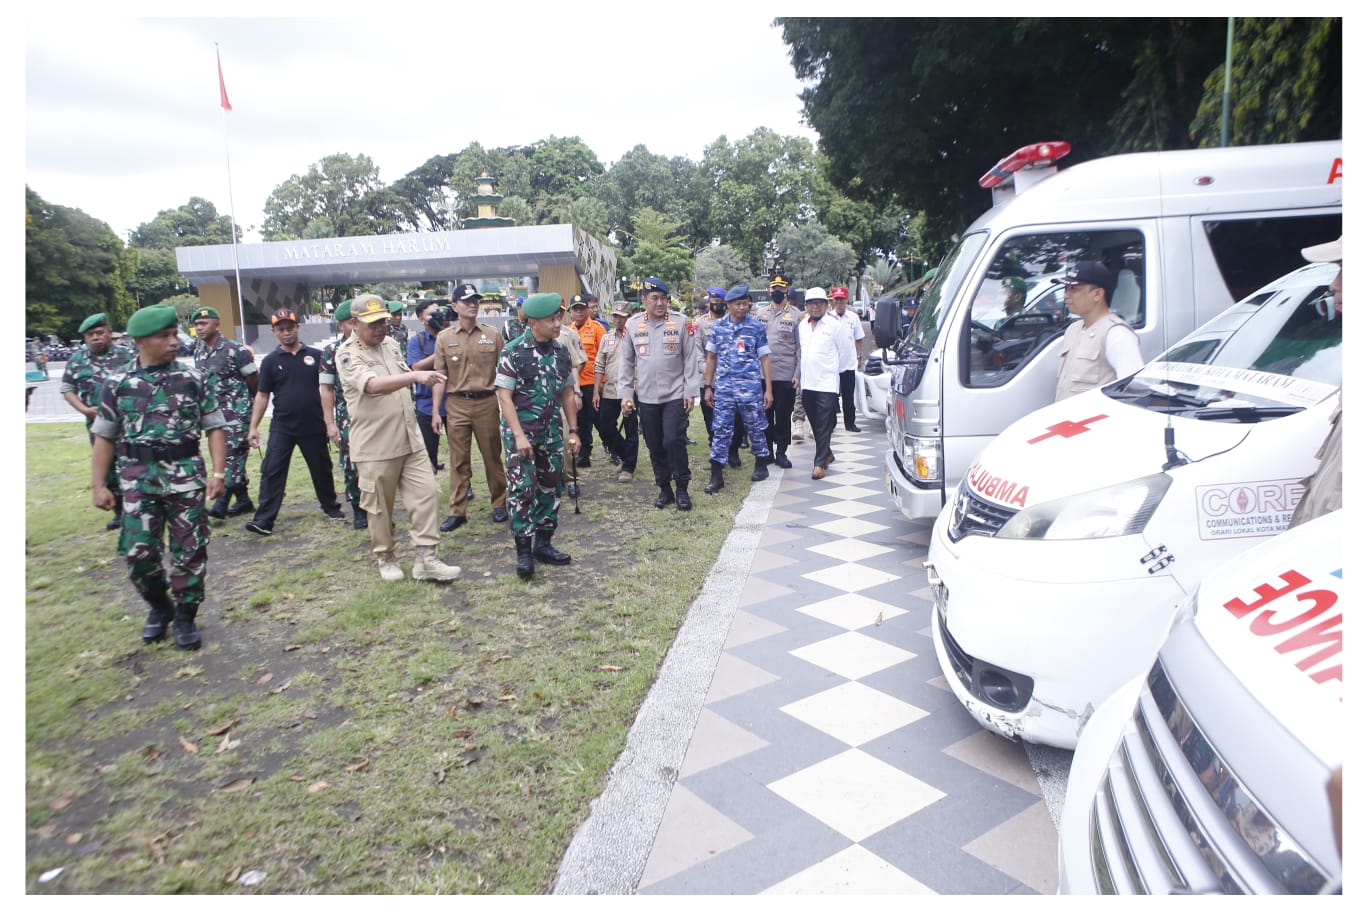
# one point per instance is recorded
(824, 345)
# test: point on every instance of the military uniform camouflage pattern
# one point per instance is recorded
(85, 373)
(327, 373)
(222, 365)
(399, 334)
(738, 384)
(513, 328)
(161, 407)
(537, 373)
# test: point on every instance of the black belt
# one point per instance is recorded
(482, 394)
(158, 453)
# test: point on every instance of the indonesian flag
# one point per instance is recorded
(223, 91)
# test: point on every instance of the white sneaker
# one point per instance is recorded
(390, 571)
(798, 431)
(428, 567)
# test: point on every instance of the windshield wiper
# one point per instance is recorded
(1245, 413)
(1152, 393)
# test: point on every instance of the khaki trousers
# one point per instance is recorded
(411, 477)
(478, 418)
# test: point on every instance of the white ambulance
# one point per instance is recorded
(1072, 539)
(1208, 773)
(1187, 233)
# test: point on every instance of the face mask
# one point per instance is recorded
(777, 297)
(717, 307)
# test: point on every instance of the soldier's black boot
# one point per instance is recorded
(716, 482)
(118, 514)
(781, 460)
(666, 497)
(359, 519)
(682, 501)
(524, 543)
(219, 509)
(760, 473)
(734, 458)
(183, 626)
(243, 504)
(161, 610)
(543, 550)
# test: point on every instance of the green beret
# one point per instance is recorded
(343, 311)
(1014, 283)
(395, 306)
(204, 313)
(542, 305)
(151, 320)
(93, 321)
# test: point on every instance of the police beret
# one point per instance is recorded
(150, 320)
(651, 283)
(395, 306)
(343, 311)
(717, 292)
(541, 305)
(93, 321)
(738, 292)
(204, 313)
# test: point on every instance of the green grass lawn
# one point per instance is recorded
(337, 733)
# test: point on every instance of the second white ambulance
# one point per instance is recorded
(1066, 549)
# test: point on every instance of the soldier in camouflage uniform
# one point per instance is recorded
(335, 415)
(86, 370)
(737, 380)
(534, 381)
(232, 368)
(151, 418)
(396, 328)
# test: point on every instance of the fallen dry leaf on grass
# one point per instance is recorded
(610, 668)
(265, 679)
(223, 729)
(236, 785)
(188, 746)
(357, 767)
(227, 745)
(464, 733)
(292, 647)
(61, 801)
(281, 689)
(318, 786)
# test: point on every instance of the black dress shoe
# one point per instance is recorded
(452, 523)
(258, 529)
(782, 461)
(582, 462)
(333, 513)
(666, 497)
(499, 515)
(854, 429)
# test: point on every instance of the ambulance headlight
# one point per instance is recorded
(1121, 509)
(921, 457)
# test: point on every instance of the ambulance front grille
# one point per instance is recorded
(975, 516)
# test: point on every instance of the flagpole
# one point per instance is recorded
(232, 210)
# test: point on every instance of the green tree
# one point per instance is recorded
(510, 167)
(673, 264)
(759, 184)
(428, 200)
(719, 265)
(812, 256)
(153, 275)
(517, 208)
(564, 165)
(72, 268)
(345, 190)
(194, 224)
(671, 186)
(1286, 84)
(915, 110)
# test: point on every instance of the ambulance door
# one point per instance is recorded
(1004, 362)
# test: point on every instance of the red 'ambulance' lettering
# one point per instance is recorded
(997, 487)
(1336, 171)
(1306, 631)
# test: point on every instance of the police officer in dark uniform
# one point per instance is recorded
(151, 418)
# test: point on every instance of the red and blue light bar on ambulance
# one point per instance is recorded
(1036, 155)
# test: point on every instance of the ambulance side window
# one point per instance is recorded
(1018, 310)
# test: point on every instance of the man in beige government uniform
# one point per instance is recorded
(386, 445)
(467, 356)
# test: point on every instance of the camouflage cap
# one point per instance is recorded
(93, 321)
(150, 320)
(541, 305)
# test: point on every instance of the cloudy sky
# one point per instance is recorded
(123, 120)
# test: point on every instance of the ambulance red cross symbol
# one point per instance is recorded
(1067, 429)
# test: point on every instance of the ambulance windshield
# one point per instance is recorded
(1275, 351)
(933, 310)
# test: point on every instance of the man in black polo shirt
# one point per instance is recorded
(290, 373)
